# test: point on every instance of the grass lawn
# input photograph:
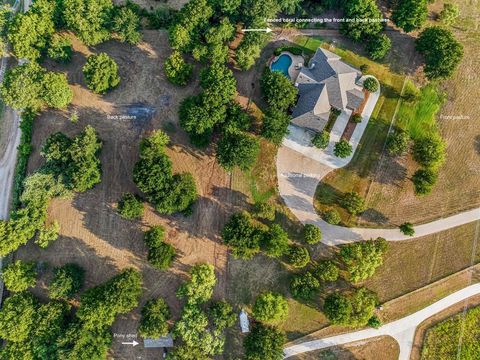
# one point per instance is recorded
(357, 175)
(455, 338)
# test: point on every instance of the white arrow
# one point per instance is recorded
(267, 30)
(134, 343)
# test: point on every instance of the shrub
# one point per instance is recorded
(441, 50)
(321, 139)
(270, 307)
(407, 229)
(264, 342)
(312, 234)
(397, 143)
(371, 84)
(298, 256)
(130, 206)
(449, 13)
(178, 72)
(264, 210)
(160, 254)
(332, 217)
(429, 151)
(374, 322)
(275, 241)
(60, 49)
(19, 276)
(326, 270)
(362, 259)
(154, 321)
(356, 118)
(424, 180)
(304, 286)
(101, 73)
(222, 315)
(353, 203)
(67, 281)
(378, 46)
(343, 149)
(242, 236)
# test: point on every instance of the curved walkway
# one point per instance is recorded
(300, 167)
(402, 330)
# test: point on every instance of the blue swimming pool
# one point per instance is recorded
(282, 64)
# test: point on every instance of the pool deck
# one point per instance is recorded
(297, 63)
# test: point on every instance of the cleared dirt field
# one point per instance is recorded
(92, 233)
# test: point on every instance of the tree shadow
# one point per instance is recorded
(476, 144)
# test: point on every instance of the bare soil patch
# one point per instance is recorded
(92, 233)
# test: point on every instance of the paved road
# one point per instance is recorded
(300, 167)
(402, 330)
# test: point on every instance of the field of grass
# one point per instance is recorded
(455, 338)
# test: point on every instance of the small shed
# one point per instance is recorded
(163, 342)
(244, 322)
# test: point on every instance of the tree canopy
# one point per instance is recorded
(154, 321)
(370, 19)
(304, 286)
(237, 148)
(178, 71)
(312, 234)
(362, 259)
(199, 288)
(101, 73)
(279, 91)
(264, 343)
(68, 280)
(353, 203)
(410, 14)
(350, 309)
(241, 234)
(19, 276)
(270, 307)
(130, 206)
(160, 253)
(275, 241)
(442, 52)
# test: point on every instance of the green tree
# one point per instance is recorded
(19, 276)
(238, 118)
(264, 343)
(30, 33)
(242, 235)
(441, 50)
(321, 139)
(160, 254)
(343, 149)
(353, 203)
(332, 217)
(398, 142)
(424, 180)
(101, 73)
(100, 305)
(338, 308)
(410, 14)
(48, 234)
(18, 316)
(275, 241)
(362, 259)
(178, 71)
(362, 9)
(270, 307)
(449, 13)
(22, 86)
(407, 229)
(264, 210)
(378, 46)
(222, 315)
(278, 90)
(312, 234)
(67, 281)
(130, 206)
(350, 309)
(154, 321)
(304, 286)
(237, 148)
(275, 125)
(326, 270)
(298, 256)
(219, 84)
(371, 84)
(199, 288)
(126, 23)
(429, 151)
(60, 49)
(249, 49)
(56, 92)
(89, 19)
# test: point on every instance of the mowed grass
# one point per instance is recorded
(357, 175)
(455, 338)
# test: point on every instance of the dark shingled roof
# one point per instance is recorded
(327, 82)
